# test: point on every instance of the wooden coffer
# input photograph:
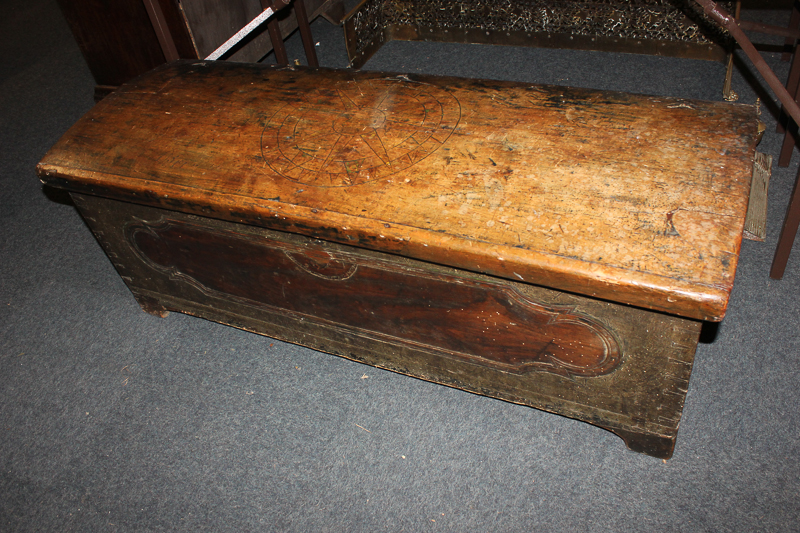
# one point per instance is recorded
(554, 247)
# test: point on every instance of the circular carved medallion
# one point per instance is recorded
(358, 132)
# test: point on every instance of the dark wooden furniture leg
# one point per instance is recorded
(162, 30)
(305, 33)
(275, 34)
(794, 24)
(788, 233)
(789, 126)
(785, 123)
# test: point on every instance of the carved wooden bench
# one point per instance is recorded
(676, 28)
(558, 248)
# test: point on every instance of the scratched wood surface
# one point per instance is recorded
(635, 199)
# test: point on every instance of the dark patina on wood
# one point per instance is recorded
(548, 246)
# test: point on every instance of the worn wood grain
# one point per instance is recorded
(639, 200)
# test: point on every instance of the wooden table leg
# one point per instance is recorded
(305, 33)
(794, 24)
(162, 30)
(281, 58)
(786, 124)
(788, 233)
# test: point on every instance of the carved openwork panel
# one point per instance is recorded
(666, 21)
